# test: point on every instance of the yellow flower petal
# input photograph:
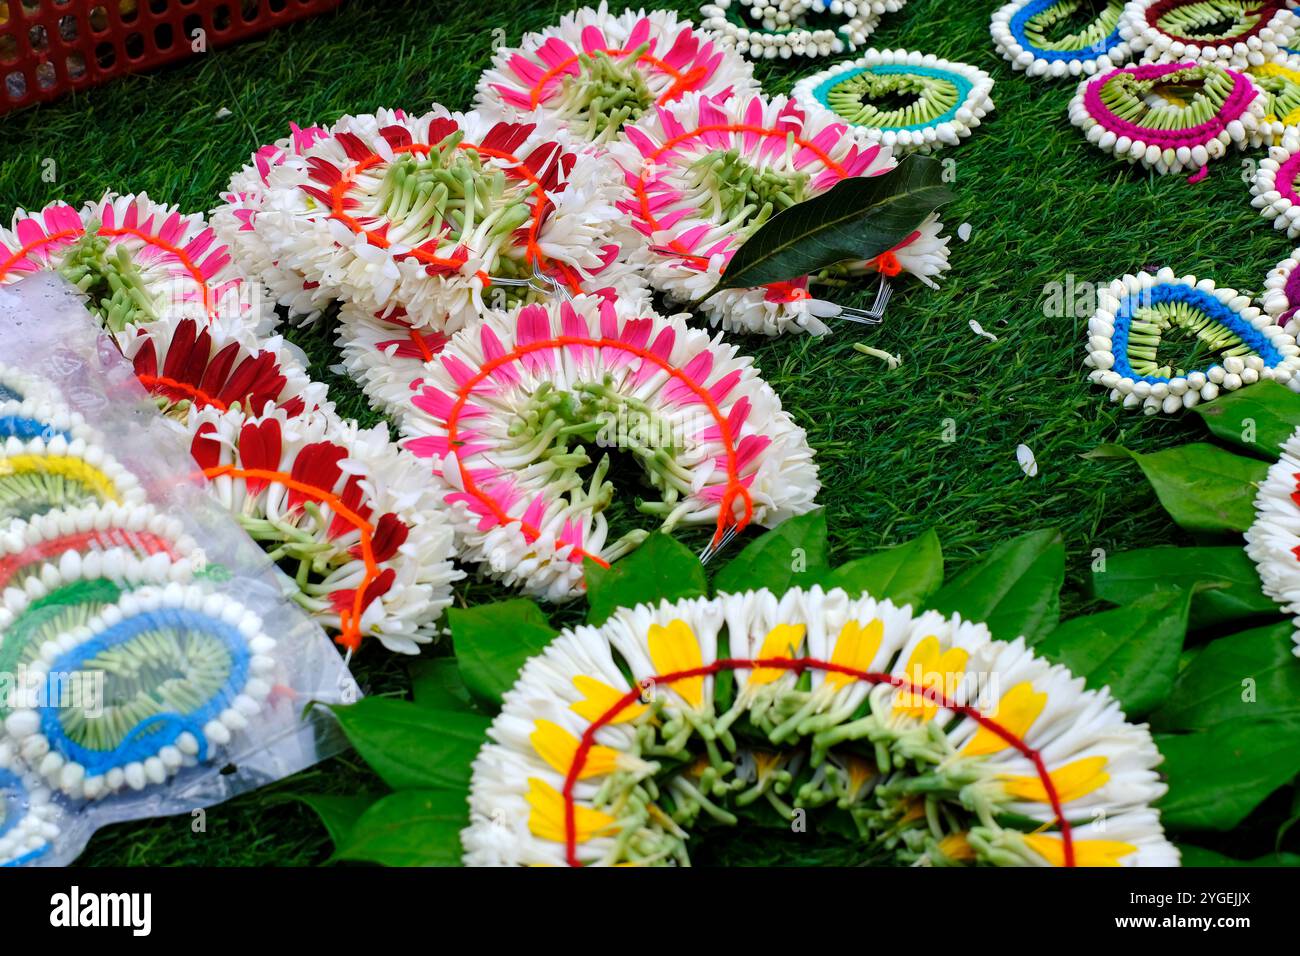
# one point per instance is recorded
(784, 640)
(546, 820)
(929, 670)
(1076, 779)
(855, 648)
(1017, 711)
(955, 846)
(1086, 852)
(673, 649)
(558, 748)
(600, 699)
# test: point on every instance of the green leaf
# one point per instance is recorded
(661, 569)
(1134, 649)
(338, 813)
(791, 555)
(1258, 419)
(411, 828)
(1015, 590)
(1210, 690)
(411, 746)
(1199, 856)
(906, 574)
(1202, 486)
(1236, 594)
(494, 640)
(1218, 776)
(437, 682)
(858, 218)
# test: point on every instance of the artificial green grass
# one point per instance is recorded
(1042, 204)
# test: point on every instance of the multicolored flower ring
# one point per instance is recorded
(1281, 298)
(29, 819)
(595, 71)
(1039, 36)
(702, 175)
(1235, 33)
(136, 260)
(426, 214)
(802, 28)
(513, 413)
(938, 101)
(357, 516)
(1272, 541)
(939, 745)
(1228, 342)
(1273, 188)
(1169, 116)
(39, 475)
(183, 670)
(1281, 86)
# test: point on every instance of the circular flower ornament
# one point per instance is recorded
(428, 213)
(1271, 541)
(1273, 188)
(1281, 298)
(1169, 116)
(703, 175)
(1235, 33)
(515, 416)
(1233, 343)
(1036, 36)
(799, 28)
(68, 470)
(937, 745)
(29, 819)
(1281, 86)
(595, 71)
(929, 102)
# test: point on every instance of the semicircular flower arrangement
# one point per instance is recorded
(1273, 187)
(944, 100)
(1030, 35)
(1235, 33)
(1169, 116)
(704, 176)
(1281, 297)
(595, 71)
(803, 28)
(518, 418)
(1232, 343)
(1281, 85)
(68, 469)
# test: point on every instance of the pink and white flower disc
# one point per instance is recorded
(1273, 188)
(513, 412)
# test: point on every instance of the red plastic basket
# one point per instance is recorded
(51, 47)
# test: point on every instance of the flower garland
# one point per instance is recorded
(595, 71)
(1273, 187)
(946, 100)
(941, 745)
(1271, 541)
(1025, 32)
(1281, 298)
(1137, 312)
(1168, 116)
(136, 260)
(1173, 31)
(800, 28)
(703, 175)
(427, 213)
(29, 820)
(1281, 86)
(508, 413)
(371, 547)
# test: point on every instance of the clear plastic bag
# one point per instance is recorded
(173, 564)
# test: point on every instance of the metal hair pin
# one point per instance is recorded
(874, 315)
(717, 546)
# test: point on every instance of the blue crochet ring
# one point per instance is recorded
(960, 84)
(1020, 22)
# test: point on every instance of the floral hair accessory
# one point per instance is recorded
(944, 100)
(512, 412)
(1233, 33)
(702, 175)
(39, 475)
(189, 668)
(29, 819)
(235, 222)
(616, 741)
(1135, 313)
(801, 28)
(137, 261)
(1281, 86)
(427, 213)
(1030, 33)
(1281, 298)
(1271, 541)
(1168, 116)
(595, 71)
(372, 549)
(1273, 188)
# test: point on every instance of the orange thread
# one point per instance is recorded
(193, 391)
(681, 81)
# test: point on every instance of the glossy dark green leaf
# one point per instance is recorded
(414, 747)
(1133, 650)
(410, 828)
(1235, 593)
(906, 574)
(338, 813)
(1251, 675)
(1195, 856)
(1015, 589)
(791, 555)
(661, 569)
(437, 682)
(493, 641)
(1257, 419)
(858, 218)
